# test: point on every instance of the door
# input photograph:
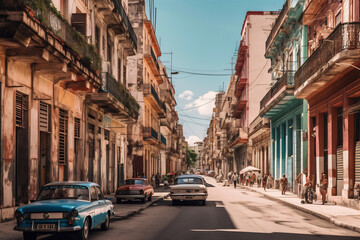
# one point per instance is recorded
(44, 126)
(91, 154)
(22, 149)
(138, 166)
(94, 206)
(101, 205)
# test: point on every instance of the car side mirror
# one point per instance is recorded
(32, 201)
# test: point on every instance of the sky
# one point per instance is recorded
(203, 37)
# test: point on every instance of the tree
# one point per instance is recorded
(191, 157)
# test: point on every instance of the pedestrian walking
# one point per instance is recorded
(253, 179)
(157, 180)
(269, 181)
(229, 175)
(153, 180)
(235, 178)
(283, 184)
(323, 187)
(264, 182)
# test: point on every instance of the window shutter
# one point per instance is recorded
(77, 128)
(357, 162)
(63, 128)
(21, 109)
(44, 117)
(339, 163)
(78, 21)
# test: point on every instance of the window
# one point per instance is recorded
(99, 193)
(93, 194)
(124, 76)
(21, 109)
(119, 69)
(78, 21)
(77, 128)
(44, 123)
(97, 38)
(338, 18)
(63, 131)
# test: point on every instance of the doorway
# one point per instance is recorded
(22, 149)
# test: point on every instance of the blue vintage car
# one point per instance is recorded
(65, 207)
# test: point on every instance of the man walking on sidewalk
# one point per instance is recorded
(235, 178)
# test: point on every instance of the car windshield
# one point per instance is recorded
(64, 192)
(134, 181)
(188, 181)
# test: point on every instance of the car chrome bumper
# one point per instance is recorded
(128, 197)
(57, 229)
(188, 196)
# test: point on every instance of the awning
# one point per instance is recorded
(249, 169)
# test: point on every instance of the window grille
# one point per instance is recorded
(91, 128)
(63, 128)
(107, 135)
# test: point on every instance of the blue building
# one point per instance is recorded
(286, 47)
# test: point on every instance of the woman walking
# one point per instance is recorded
(235, 178)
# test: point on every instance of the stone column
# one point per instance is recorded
(332, 131)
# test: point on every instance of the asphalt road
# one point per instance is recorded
(229, 214)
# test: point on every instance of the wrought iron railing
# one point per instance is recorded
(344, 37)
(278, 23)
(163, 139)
(53, 21)
(118, 90)
(286, 80)
(119, 8)
(154, 58)
(149, 132)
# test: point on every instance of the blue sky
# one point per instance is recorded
(203, 36)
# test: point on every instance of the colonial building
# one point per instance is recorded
(286, 48)
(251, 83)
(65, 106)
(329, 81)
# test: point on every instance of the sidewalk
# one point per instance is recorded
(341, 216)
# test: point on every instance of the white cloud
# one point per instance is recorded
(204, 104)
(186, 95)
(193, 139)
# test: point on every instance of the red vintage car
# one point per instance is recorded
(135, 189)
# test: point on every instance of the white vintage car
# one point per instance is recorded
(188, 188)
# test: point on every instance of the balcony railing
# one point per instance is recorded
(149, 132)
(53, 21)
(344, 37)
(154, 58)
(286, 79)
(119, 8)
(278, 23)
(162, 139)
(121, 94)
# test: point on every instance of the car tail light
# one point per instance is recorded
(19, 216)
(71, 220)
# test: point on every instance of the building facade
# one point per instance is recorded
(328, 81)
(286, 48)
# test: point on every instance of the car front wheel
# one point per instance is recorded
(84, 232)
(29, 235)
(106, 224)
(150, 197)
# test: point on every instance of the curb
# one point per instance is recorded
(316, 214)
(130, 214)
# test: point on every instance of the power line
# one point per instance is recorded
(200, 70)
(203, 74)
(185, 109)
(206, 119)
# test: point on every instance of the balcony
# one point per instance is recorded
(34, 32)
(239, 139)
(240, 86)
(116, 99)
(240, 107)
(115, 16)
(162, 140)
(279, 97)
(241, 57)
(152, 61)
(278, 22)
(150, 135)
(151, 95)
(339, 51)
